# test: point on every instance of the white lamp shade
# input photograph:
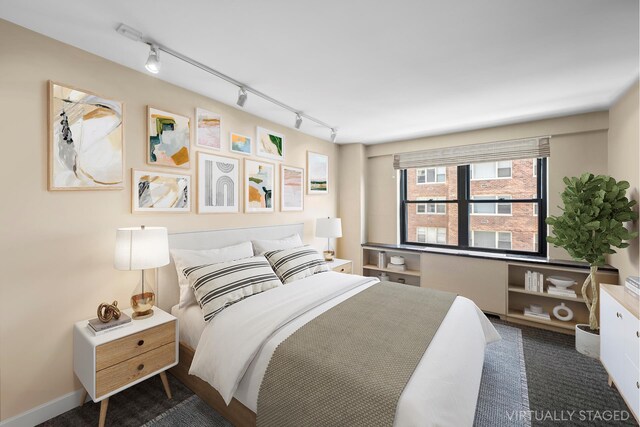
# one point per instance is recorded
(140, 248)
(328, 227)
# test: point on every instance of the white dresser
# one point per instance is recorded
(620, 342)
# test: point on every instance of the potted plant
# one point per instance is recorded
(591, 225)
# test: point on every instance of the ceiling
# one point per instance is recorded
(378, 71)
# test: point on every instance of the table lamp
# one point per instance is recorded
(140, 248)
(329, 228)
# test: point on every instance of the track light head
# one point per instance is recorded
(242, 97)
(153, 62)
(298, 120)
(334, 135)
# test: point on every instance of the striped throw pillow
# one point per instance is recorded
(217, 286)
(296, 263)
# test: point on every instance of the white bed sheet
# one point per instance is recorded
(191, 323)
(442, 391)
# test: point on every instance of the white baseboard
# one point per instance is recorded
(45, 411)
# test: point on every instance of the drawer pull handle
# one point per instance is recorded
(637, 384)
(140, 342)
(141, 367)
(638, 334)
(618, 315)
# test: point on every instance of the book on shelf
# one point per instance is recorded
(632, 289)
(396, 267)
(552, 289)
(533, 281)
(544, 315)
(632, 282)
(98, 327)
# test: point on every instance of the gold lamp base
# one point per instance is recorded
(329, 255)
(142, 305)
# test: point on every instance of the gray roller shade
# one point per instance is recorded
(475, 153)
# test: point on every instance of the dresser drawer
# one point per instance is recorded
(116, 376)
(114, 352)
(346, 268)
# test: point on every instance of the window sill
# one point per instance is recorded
(485, 255)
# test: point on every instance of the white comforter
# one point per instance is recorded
(236, 346)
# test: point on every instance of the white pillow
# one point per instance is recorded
(262, 246)
(184, 258)
(217, 286)
(296, 263)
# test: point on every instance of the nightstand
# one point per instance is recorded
(341, 265)
(114, 361)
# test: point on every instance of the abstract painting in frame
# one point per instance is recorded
(160, 192)
(259, 186)
(86, 140)
(240, 144)
(317, 173)
(207, 129)
(270, 144)
(217, 184)
(168, 139)
(291, 189)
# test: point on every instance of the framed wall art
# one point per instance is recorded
(317, 173)
(168, 139)
(217, 184)
(291, 189)
(86, 140)
(270, 144)
(259, 186)
(160, 192)
(240, 144)
(208, 129)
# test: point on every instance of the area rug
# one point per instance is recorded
(503, 391)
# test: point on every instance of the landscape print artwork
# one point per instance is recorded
(240, 144)
(169, 140)
(160, 192)
(86, 142)
(292, 189)
(270, 144)
(217, 184)
(317, 173)
(258, 182)
(207, 129)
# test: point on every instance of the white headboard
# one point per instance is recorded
(167, 284)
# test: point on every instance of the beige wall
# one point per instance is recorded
(57, 247)
(624, 164)
(578, 144)
(352, 172)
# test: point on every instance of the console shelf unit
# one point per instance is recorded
(518, 297)
(411, 275)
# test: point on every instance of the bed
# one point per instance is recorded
(224, 361)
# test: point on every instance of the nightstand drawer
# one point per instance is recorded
(114, 377)
(125, 348)
(346, 268)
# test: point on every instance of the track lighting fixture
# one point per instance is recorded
(153, 62)
(153, 65)
(242, 97)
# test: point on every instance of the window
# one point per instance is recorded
(436, 235)
(431, 175)
(431, 208)
(491, 208)
(485, 213)
(491, 170)
(491, 239)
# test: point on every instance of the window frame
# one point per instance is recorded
(430, 201)
(463, 199)
(496, 170)
(435, 174)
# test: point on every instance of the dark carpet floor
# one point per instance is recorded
(565, 389)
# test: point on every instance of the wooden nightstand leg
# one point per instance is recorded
(165, 384)
(84, 397)
(103, 412)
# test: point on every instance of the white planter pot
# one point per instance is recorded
(587, 342)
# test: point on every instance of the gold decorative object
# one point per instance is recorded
(329, 255)
(107, 311)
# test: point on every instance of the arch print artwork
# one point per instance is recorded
(217, 184)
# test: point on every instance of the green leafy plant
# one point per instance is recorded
(592, 224)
